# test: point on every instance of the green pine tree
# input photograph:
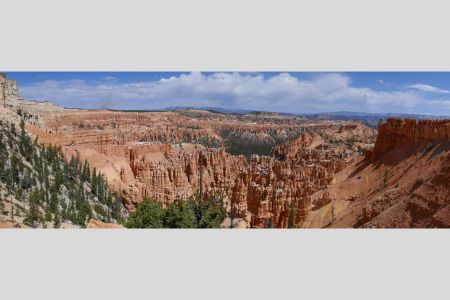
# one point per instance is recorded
(179, 215)
(149, 214)
(57, 219)
(33, 216)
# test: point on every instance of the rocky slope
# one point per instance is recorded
(404, 182)
(39, 188)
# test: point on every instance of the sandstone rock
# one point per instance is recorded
(9, 93)
(400, 132)
(95, 224)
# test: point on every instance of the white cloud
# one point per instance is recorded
(109, 78)
(427, 88)
(382, 82)
(283, 93)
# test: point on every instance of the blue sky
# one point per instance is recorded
(296, 92)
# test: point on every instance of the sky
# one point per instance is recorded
(291, 92)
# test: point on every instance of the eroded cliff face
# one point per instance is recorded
(9, 93)
(404, 182)
(279, 191)
(166, 172)
(13, 107)
(407, 132)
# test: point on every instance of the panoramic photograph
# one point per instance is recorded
(225, 150)
(274, 149)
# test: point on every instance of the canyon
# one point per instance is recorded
(172, 155)
(273, 170)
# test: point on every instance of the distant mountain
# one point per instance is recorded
(371, 119)
(389, 115)
(211, 109)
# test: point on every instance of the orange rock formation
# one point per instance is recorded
(399, 132)
(170, 155)
(404, 182)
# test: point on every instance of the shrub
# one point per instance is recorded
(149, 214)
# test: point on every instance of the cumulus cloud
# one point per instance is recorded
(282, 92)
(427, 88)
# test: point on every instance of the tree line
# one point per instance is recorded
(194, 212)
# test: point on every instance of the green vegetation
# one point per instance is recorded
(179, 215)
(238, 144)
(193, 212)
(51, 189)
(206, 141)
(149, 214)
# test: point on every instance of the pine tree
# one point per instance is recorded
(94, 181)
(13, 129)
(86, 173)
(48, 213)
(179, 215)
(116, 207)
(208, 213)
(2, 206)
(14, 161)
(59, 180)
(33, 216)
(149, 214)
(57, 219)
(25, 145)
(26, 180)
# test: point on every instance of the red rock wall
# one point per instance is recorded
(395, 132)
